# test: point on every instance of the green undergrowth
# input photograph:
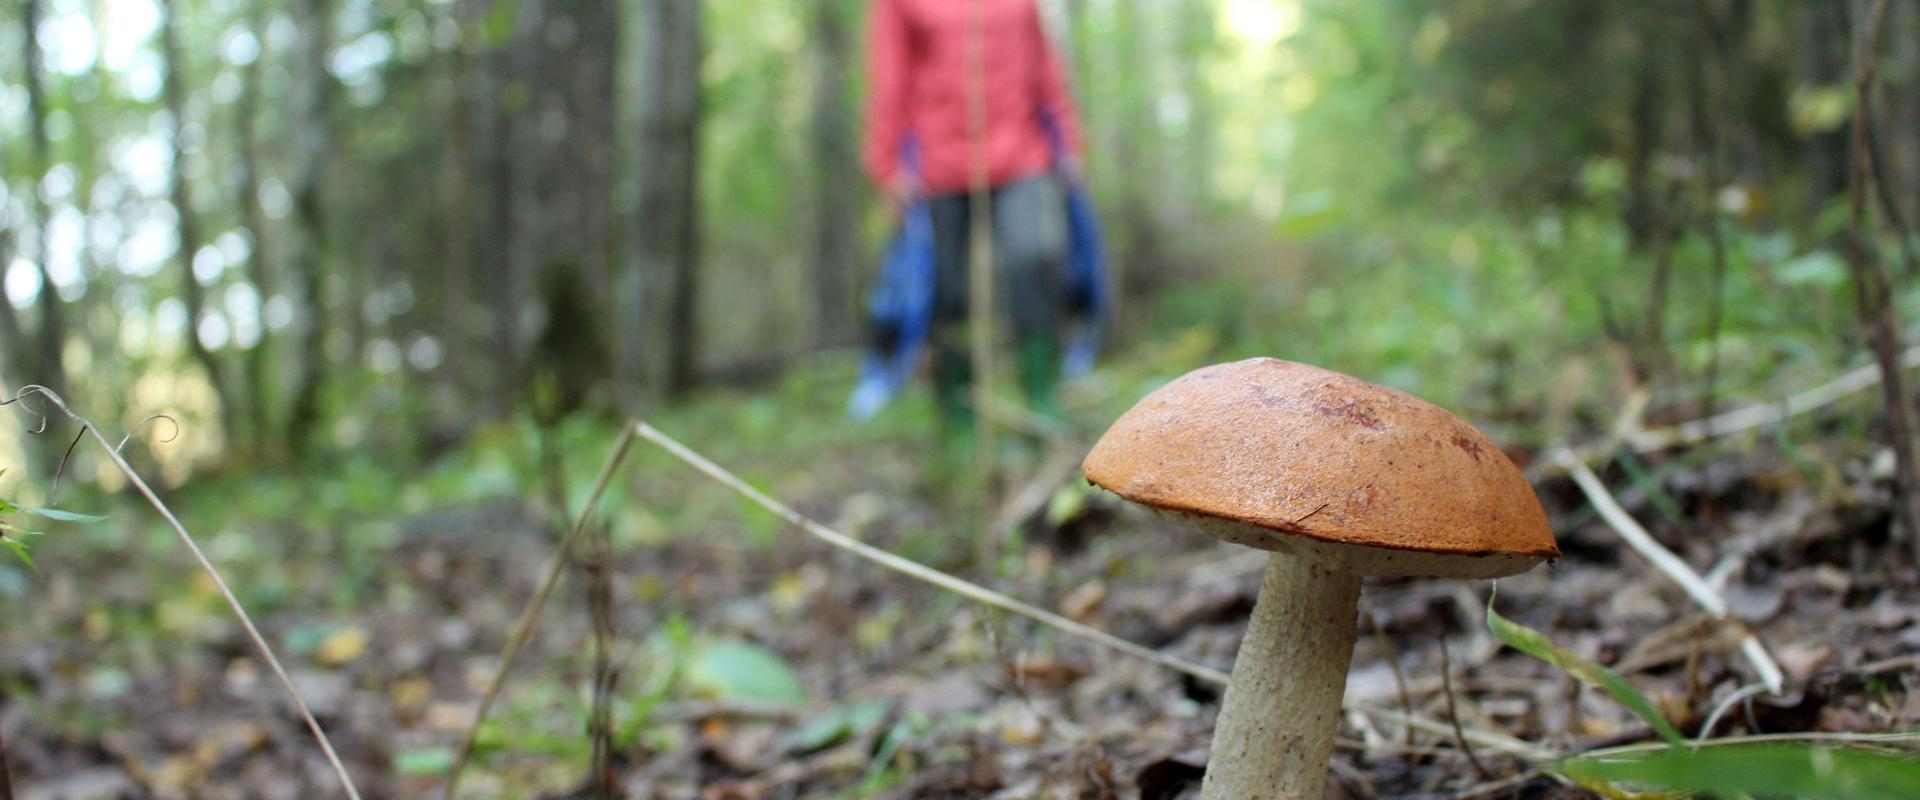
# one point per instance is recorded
(1728, 769)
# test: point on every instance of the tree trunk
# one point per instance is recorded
(836, 177)
(259, 381)
(456, 209)
(1197, 42)
(50, 369)
(668, 246)
(312, 140)
(1823, 63)
(1643, 214)
(16, 354)
(189, 223)
(497, 239)
(1137, 165)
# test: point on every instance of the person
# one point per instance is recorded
(957, 86)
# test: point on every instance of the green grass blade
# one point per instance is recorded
(19, 549)
(1533, 643)
(57, 515)
(1769, 769)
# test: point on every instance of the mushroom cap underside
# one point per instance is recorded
(1290, 457)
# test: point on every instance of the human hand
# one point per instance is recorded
(1070, 170)
(901, 192)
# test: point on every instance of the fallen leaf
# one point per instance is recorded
(1082, 603)
(725, 669)
(341, 646)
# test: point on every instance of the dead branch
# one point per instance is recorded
(531, 614)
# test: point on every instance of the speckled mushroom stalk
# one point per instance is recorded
(1340, 479)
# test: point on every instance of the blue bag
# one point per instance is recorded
(899, 313)
(1086, 284)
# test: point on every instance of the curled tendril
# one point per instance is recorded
(53, 492)
(21, 397)
(170, 420)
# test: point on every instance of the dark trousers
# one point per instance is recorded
(1029, 248)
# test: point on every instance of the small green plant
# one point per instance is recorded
(1710, 769)
(14, 538)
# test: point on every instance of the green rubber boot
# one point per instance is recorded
(1039, 364)
(952, 387)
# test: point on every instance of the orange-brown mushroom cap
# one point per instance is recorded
(1294, 458)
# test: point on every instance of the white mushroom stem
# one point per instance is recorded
(1282, 707)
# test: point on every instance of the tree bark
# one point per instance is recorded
(312, 140)
(259, 382)
(49, 367)
(456, 209)
(1197, 41)
(1823, 63)
(836, 176)
(668, 237)
(6, 775)
(497, 236)
(189, 223)
(16, 353)
(1136, 159)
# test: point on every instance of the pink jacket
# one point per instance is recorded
(919, 62)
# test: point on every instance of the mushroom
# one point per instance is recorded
(1339, 479)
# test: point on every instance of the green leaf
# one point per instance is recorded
(417, 761)
(835, 725)
(1533, 643)
(19, 549)
(733, 670)
(60, 516)
(1764, 769)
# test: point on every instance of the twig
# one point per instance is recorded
(1491, 740)
(597, 566)
(1713, 719)
(978, 593)
(1737, 420)
(1669, 564)
(1453, 713)
(1393, 662)
(980, 272)
(531, 614)
(1908, 661)
(6, 777)
(1494, 787)
(1356, 779)
(253, 633)
(1890, 198)
(916, 570)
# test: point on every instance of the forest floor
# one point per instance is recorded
(751, 662)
